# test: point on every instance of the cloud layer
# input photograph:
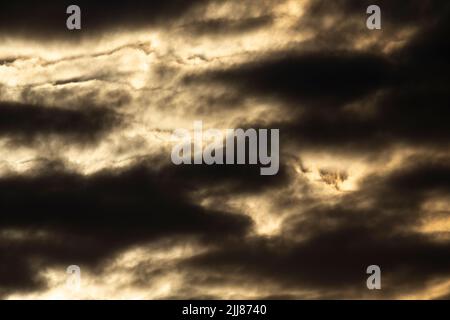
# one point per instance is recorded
(85, 134)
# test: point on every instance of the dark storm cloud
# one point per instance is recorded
(313, 87)
(427, 48)
(228, 26)
(413, 117)
(47, 19)
(75, 98)
(349, 20)
(329, 78)
(333, 263)
(393, 12)
(230, 179)
(411, 109)
(23, 123)
(94, 216)
(341, 240)
(398, 98)
(15, 269)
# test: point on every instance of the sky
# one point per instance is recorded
(86, 119)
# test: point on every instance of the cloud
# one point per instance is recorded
(328, 78)
(351, 100)
(23, 123)
(49, 17)
(222, 26)
(85, 171)
(340, 240)
(90, 218)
